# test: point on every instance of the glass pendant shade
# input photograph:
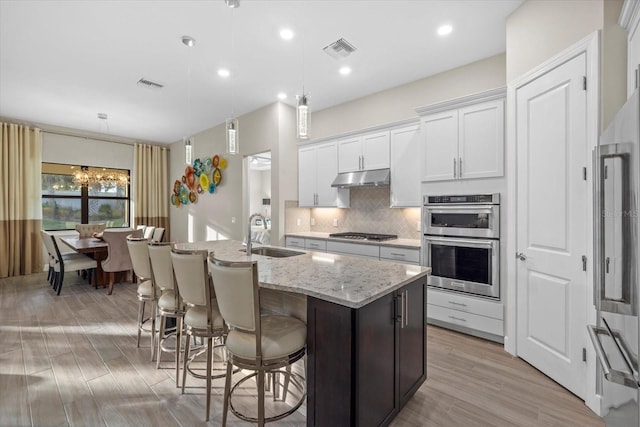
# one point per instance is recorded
(302, 117)
(188, 150)
(232, 136)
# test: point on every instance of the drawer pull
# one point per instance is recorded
(457, 303)
(397, 254)
(457, 318)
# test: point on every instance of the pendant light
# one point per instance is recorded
(302, 116)
(231, 124)
(188, 141)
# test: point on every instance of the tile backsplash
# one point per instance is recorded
(369, 213)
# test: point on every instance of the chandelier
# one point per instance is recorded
(87, 176)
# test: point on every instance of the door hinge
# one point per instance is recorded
(584, 173)
(584, 354)
(584, 263)
(584, 82)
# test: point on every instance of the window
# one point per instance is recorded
(66, 203)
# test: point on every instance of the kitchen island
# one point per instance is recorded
(366, 330)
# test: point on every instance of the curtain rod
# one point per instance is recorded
(97, 138)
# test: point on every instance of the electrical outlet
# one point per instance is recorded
(313, 221)
(335, 222)
(298, 222)
(233, 220)
(418, 225)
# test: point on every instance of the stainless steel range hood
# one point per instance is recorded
(372, 178)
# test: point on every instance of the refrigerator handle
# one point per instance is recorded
(612, 375)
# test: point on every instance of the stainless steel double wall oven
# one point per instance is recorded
(462, 243)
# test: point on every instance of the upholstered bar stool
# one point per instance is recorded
(170, 303)
(202, 318)
(263, 344)
(146, 292)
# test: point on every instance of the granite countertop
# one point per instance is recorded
(349, 281)
(404, 243)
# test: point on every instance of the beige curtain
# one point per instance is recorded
(20, 200)
(151, 190)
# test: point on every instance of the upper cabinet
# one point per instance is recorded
(364, 152)
(463, 138)
(405, 166)
(630, 21)
(317, 168)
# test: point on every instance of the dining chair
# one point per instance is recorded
(87, 230)
(262, 343)
(148, 232)
(158, 234)
(202, 317)
(74, 262)
(146, 292)
(65, 252)
(170, 303)
(118, 258)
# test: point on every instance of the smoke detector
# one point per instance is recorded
(149, 84)
(339, 49)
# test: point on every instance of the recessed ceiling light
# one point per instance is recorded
(282, 95)
(232, 3)
(345, 71)
(445, 30)
(188, 41)
(286, 33)
(223, 72)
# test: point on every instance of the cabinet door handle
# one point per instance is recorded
(459, 167)
(362, 162)
(457, 318)
(457, 303)
(406, 310)
(454, 168)
(397, 254)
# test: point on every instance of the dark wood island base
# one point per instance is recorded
(365, 364)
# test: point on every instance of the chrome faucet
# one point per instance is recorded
(264, 222)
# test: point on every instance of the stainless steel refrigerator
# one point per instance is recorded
(617, 280)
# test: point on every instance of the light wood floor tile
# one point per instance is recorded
(34, 349)
(84, 412)
(89, 362)
(14, 400)
(45, 401)
(67, 372)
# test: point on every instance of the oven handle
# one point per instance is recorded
(473, 243)
(446, 209)
(612, 375)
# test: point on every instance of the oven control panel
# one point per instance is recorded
(464, 199)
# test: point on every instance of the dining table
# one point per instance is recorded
(94, 247)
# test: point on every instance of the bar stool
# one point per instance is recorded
(146, 292)
(170, 303)
(202, 318)
(263, 344)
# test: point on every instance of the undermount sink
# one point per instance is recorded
(274, 252)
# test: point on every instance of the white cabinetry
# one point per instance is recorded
(405, 166)
(463, 138)
(317, 168)
(405, 255)
(364, 152)
(630, 21)
(315, 245)
(294, 242)
(356, 249)
(473, 315)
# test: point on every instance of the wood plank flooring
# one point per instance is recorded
(72, 361)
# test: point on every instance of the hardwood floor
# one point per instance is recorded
(72, 360)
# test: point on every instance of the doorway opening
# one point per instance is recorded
(260, 196)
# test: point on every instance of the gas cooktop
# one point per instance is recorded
(364, 236)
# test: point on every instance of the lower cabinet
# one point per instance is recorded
(477, 316)
(365, 364)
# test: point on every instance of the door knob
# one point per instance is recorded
(521, 256)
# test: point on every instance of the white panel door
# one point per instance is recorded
(481, 140)
(306, 176)
(552, 223)
(405, 167)
(375, 151)
(350, 154)
(326, 171)
(440, 146)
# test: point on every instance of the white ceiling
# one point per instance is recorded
(62, 62)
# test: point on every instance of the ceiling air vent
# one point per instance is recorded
(149, 84)
(339, 49)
